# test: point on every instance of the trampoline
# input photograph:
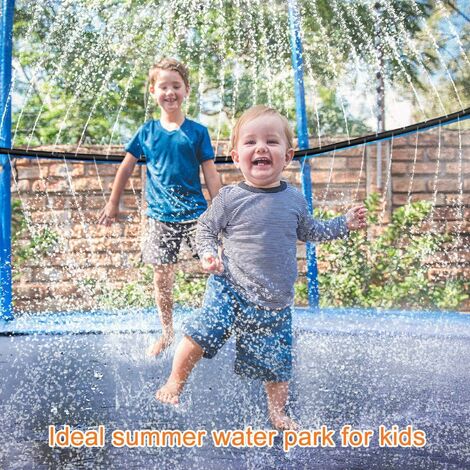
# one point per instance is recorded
(365, 368)
(359, 367)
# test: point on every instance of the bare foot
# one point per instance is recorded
(282, 422)
(170, 392)
(160, 345)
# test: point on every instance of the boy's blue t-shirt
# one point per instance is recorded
(173, 188)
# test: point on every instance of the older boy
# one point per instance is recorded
(175, 147)
(252, 291)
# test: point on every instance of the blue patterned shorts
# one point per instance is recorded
(263, 336)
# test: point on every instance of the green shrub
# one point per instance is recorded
(390, 270)
(40, 243)
(188, 290)
(131, 295)
(301, 293)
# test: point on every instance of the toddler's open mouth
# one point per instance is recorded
(262, 162)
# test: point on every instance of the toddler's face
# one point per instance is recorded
(261, 152)
(169, 90)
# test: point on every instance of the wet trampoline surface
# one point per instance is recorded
(352, 367)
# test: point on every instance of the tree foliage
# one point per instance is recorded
(81, 65)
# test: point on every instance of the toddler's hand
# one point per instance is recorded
(356, 217)
(108, 214)
(212, 264)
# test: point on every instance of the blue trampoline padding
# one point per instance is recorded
(79, 322)
(339, 321)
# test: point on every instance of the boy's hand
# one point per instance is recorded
(109, 214)
(212, 264)
(356, 218)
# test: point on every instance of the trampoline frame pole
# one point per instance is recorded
(6, 42)
(302, 135)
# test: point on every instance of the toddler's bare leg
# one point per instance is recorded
(277, 393)
(187, 354)
(164, 278)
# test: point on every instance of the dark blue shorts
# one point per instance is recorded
(263, 336)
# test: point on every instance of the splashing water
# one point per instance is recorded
(362, 368)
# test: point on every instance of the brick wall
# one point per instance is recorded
(66, 198)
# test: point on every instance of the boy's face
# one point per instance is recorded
(261, 151)
(169, 91)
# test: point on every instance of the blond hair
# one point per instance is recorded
(255, 112)
(169, 63)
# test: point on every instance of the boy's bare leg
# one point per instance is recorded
(164, 278)
(277, 393)
(186, 357)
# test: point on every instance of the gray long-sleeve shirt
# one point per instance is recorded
(259, 229)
